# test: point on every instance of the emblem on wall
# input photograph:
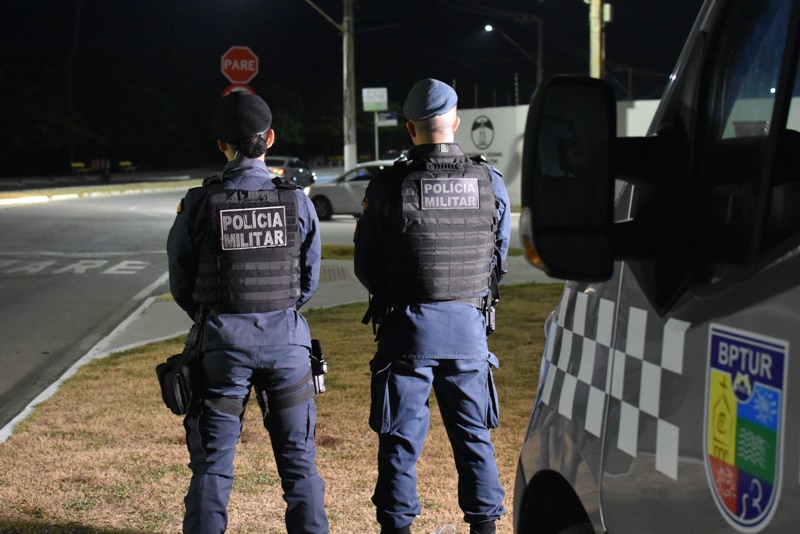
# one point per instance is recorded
(482, 132)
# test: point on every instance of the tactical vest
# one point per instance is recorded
(250, 256)
(441, 239)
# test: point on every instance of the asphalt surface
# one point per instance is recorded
(158, 317)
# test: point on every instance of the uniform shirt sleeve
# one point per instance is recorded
(503, 235)
(183, 253)
(310, 248)
(368, 236)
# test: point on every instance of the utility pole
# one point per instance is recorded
(349, 84)
(348, 80)
(599, 15)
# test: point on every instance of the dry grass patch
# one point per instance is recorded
(103, 455)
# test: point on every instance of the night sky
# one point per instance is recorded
(90, 54)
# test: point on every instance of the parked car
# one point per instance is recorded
(291, 169)
(394, 153)
(666, 397)
(343, 195)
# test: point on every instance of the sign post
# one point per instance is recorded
(239, 64)
(375, 99)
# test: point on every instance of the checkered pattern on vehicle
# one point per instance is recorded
(580, 380)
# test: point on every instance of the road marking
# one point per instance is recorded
(80, 263)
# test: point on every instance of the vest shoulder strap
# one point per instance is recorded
(214, 184)
(212, 181)
(481, 160)
(281, 184)
(428, 165)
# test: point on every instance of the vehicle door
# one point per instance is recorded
(667, 397)
(348, 196)
(700, 433)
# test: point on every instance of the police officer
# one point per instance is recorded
(433, 234)
(244, 253)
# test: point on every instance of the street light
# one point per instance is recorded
(538, 60)
(348, 80)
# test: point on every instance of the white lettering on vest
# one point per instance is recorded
(453, 193)
(252, 228)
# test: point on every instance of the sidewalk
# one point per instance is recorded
(26, 184)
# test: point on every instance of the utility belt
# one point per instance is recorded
(180, 380)
(178, 376)
(377, 312)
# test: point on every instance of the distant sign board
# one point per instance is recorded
(375, 98)
(387, 118)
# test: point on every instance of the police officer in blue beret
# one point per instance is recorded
(430, 247)
(244, 256)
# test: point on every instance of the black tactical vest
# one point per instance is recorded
(442, 235)
(250, 257)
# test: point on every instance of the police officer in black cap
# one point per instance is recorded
(244, 252)
(430, 246)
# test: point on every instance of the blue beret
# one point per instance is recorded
(428, 98)
(239, 115)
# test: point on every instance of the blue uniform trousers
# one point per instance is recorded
(212, 435)
(400, 415)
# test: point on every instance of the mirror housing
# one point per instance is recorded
(567, 180)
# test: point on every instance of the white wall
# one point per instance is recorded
(498, 133)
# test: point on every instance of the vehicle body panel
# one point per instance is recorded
(345, 193)
(667, 396)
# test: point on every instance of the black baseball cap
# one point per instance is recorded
(240, 115)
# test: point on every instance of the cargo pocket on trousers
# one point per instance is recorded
(493, 403)
(380, 419)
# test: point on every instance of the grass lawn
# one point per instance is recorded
(103, 455)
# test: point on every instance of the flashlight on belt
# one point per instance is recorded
(318, 366)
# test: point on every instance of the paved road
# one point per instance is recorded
(80, 280)
(72, 271)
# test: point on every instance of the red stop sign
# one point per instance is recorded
(239, 64)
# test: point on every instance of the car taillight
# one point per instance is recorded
(275, 170)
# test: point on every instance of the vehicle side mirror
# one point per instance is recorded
(567, 183)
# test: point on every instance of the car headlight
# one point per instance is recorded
(307, 190)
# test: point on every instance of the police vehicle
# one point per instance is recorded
(667, 399)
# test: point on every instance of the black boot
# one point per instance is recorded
(487, 527)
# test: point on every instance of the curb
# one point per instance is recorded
(40, 196)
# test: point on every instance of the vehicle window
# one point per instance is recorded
(736, 160)
(360, 173)
(783, 213)
(748, 96)
(793, 120)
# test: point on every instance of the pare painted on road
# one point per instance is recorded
(84, 266)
